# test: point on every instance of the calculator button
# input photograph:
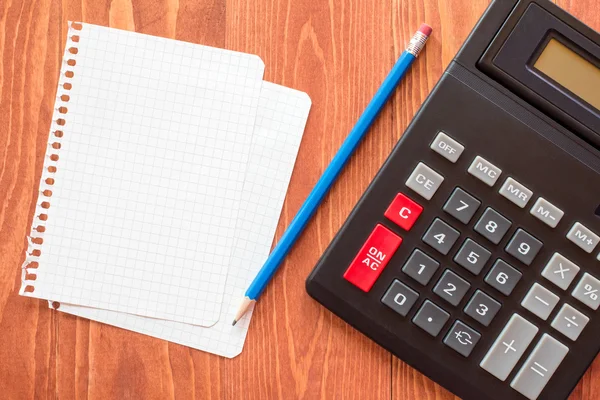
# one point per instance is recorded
(372, 258)
(492, 225)
(539, 367)
(485, 171)
(523, 247)
(451, 287)
(540, 301)
(509, 347)
(461, 205)
(431, 318)
(570, 322)
(441, 236)
(546, 212)
(403, 211)
(420, 267)
(472, 256)
(515, 192)
(583, 237)
(560, 271)
(447, 147)
(503, 277)
(586, 291)
(400, 298)
(424, 181)
(462, 338)
(482, 308)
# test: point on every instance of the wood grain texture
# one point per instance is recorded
(338, 52)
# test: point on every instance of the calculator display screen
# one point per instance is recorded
(570, 70)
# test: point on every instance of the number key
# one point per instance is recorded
(451, 287)
(492, 225)
(503, 277)
(472, 256)
(420, 267)
(482, 308)
(523, 247)
(461, 205)
(441, 236)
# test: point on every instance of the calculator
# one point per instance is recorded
(474, 254)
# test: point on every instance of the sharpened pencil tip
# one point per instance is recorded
(234, 322)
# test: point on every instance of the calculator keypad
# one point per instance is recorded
(540, 301)
(485, 171)
(451, 287)
(441, 236)
(462, 338)
(492, 225)
(503, 277)
(472, 256)
(570, 322)
(462, 206)
(509, 347)
(482, 308)
(400, 298)
(431, 318)
(420, 267)
(524, 247)
(560, 271)
(424, 181)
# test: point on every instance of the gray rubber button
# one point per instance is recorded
(451, 287)
(492, 225)
(586, 291)
(441, 236)
(515, 192)
(539, 367)
(583, 237)
(424, 181)
(400, 298)
(546, 212)
(461, 205)
(431, 318)
(447, 147)
(540, 301)
(420, 267)
(482, 308)
(503, 277)
(485, 171)
(472, 256)
(560, 271)
(509, 347)
(570, 322)
(462, 338)
(523, 247)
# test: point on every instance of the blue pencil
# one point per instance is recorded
(315, 197)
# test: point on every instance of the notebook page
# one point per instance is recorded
(280, 123)
(149, 177)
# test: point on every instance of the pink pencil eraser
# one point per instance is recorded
(425, 29)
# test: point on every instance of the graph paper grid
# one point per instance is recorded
(282, 115)
(150, 176)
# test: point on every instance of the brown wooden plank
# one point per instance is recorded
(451, 22)
(338, 52)
(587, 11)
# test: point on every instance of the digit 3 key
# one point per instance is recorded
(473, 256)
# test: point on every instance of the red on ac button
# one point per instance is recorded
(403, 211)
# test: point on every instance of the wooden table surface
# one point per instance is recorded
(338, 52)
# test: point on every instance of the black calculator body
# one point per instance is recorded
(474, 254)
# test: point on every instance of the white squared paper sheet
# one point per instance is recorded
(150, 175)
(282, 115)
